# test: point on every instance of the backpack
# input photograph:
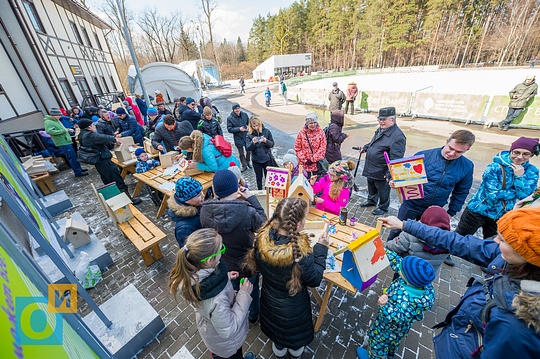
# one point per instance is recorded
(222, 145)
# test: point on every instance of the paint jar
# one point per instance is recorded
(352, 221)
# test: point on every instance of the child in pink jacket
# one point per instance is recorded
(335, 186)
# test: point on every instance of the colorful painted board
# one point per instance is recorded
(277, 178)
(408, 175)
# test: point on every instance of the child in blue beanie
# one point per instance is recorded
(185, 208)
(403, 303)
(144, 163)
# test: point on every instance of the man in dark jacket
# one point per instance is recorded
(336, 98)
(104, 124)
(162, 110)
(390, 139)
(237, 124)
(236, 220)
(519, 96)
(190, 114)
(335, 137)
(129, 127)
(450, 176)
(170, 133)
(88, 137)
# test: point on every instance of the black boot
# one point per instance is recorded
(135, 201)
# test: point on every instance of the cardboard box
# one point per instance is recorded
(167, 159)
(120, 209)
(122, 153)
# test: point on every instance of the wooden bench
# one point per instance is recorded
(144, 234)
(45, 183)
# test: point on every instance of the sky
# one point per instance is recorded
(233, 18)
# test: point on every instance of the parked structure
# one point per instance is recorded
(53, 54)
(276, 65)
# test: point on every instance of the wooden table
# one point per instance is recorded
(154, 179)
(129, 166)
(342, 237)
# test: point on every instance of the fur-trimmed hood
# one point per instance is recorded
(182, 210)
(276, 249)
(527, 304)
(198, 140)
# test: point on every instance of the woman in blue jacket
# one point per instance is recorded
(508, 179)
(497, 317)
(206, 156)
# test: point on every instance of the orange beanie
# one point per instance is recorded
(521, 230)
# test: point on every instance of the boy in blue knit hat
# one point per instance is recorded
(403, 303)
(144, 163)
(185, 207)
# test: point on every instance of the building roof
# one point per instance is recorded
(83, 12)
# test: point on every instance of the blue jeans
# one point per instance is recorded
(511, 116)
(255, 306)
(71, 157)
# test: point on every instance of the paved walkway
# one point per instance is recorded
(349, 317)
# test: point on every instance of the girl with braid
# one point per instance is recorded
(202, 279)
(288, 265)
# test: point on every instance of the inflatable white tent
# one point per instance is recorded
(210, 71)
(169, 79)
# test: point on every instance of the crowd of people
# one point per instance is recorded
(227, 243)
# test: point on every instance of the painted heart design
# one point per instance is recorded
(417, 168)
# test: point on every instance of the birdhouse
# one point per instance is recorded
(167, 159)
(128, 141)
(148, 148)
(122, 153)
(301, 188)
(408, 174)
(76, 232)
(120, 208)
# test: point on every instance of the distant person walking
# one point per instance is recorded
(242, 84)
(283, 90)
(533, 61)
(519, 96)
(336, 98)
(352, 92)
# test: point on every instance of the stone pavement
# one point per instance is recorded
(349, 317)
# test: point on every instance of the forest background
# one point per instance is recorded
(341, 35)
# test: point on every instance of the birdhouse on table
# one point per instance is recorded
(76, 232)
(301, 188)
(119, 208)
(167, 159)
(122, 153)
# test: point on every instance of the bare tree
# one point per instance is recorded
(208, 7)
(161, 34)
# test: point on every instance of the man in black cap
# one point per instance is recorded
(336, 98)
(88, 137)
(237, 124)
(189, 114)
(390, 139)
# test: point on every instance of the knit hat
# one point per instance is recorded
(291, 157)
(85, 123)
(437, 217)
(234, 169)
(152, 111)
(225, 183)
(139, 151)
(311, 117)
(157, 92)
(417, 271)
(95, 118)
(235, 105)
(342, 170)
(524, 142)
(55, 112)
(189, 100)
(186, 188)
(530, 77)
(207, 111)
(125, 103)
(121, 111)
(520, 230)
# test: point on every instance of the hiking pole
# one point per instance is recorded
(355, 187)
